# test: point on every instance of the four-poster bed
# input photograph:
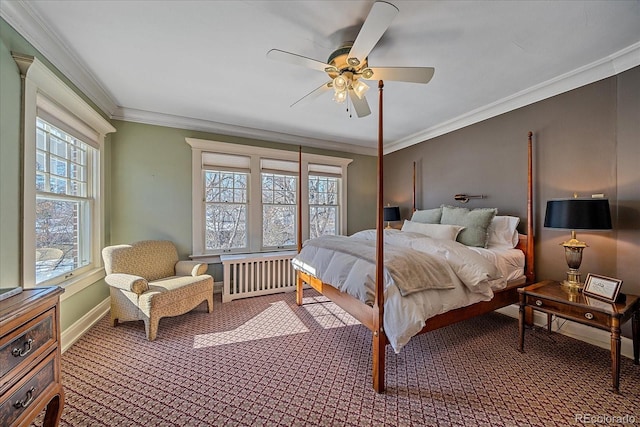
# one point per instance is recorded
(372, 314)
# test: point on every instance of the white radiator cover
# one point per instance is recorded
(250, 275)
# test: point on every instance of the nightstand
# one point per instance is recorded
(550, 297)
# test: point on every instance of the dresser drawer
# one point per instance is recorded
(578, 314)
(24, 344)
(27, 392)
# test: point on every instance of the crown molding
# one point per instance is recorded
(611, 65)
(180, 122)
(33, 28)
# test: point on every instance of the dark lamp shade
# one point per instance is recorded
(578, 214)
(391, 213)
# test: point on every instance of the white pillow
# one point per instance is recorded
(435, 231)
(503, 232)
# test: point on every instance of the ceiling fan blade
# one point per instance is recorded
(403, 74)
(313, 94)
(360, 105)
(292, 58)
(377, 22)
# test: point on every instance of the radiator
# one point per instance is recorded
(250, 275)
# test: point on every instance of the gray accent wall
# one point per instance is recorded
(586, 141)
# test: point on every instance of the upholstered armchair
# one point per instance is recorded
(147, 282)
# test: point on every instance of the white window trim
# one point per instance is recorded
(198, 146)
(38, 79)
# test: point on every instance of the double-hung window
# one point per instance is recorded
(279, 183)
(63, 214)
(64, 202)
(226, 201)
(245, 199)
(324, 207)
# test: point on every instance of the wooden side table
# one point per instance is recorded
(30, 357)
(550, 297)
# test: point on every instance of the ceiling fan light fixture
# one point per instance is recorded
(340, 84)
(360, 88)
(340, 97)
(367, 73)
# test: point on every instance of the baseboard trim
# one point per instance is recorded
(73, 333)
(590, 335)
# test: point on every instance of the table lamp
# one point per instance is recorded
(391, 213)
(577, 214)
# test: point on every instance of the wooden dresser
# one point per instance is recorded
(30, 357)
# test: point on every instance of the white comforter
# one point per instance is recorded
(473, 277)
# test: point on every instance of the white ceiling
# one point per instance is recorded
(202, 64)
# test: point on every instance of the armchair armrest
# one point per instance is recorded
(191, 268)
(127, 282)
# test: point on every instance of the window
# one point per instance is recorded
(226, 210)
(245, 198)
(323, 205)
(61, 202)
(279, 201)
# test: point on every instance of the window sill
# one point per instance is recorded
(216, 259)
(208, 258)
(78, 283)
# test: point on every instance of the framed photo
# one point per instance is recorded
(602, 287)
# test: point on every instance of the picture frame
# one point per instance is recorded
(602, 287)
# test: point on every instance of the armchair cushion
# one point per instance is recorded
(191, 268)
(128, 282)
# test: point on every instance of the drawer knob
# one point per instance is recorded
(588, 316)
(28, 398)
(26, 349)
(539, 303)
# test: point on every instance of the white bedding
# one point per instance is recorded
(510, 262)
(475, 273)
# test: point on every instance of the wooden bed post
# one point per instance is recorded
(299, 292)
(414, 187)
(379, 337)
(530, 272)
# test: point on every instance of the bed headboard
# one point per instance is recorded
(525, 241)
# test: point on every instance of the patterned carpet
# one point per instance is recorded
(266, 362)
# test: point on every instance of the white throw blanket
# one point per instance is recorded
(411, 270)
(474, 270)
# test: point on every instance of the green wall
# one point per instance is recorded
(9, 167)
(150, 186)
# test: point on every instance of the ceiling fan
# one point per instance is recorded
(348, 65)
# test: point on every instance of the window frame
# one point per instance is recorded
(339, 195)
(254, 226)
(213, 169)
(85, 199)
(285, 175)
(43, 90)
